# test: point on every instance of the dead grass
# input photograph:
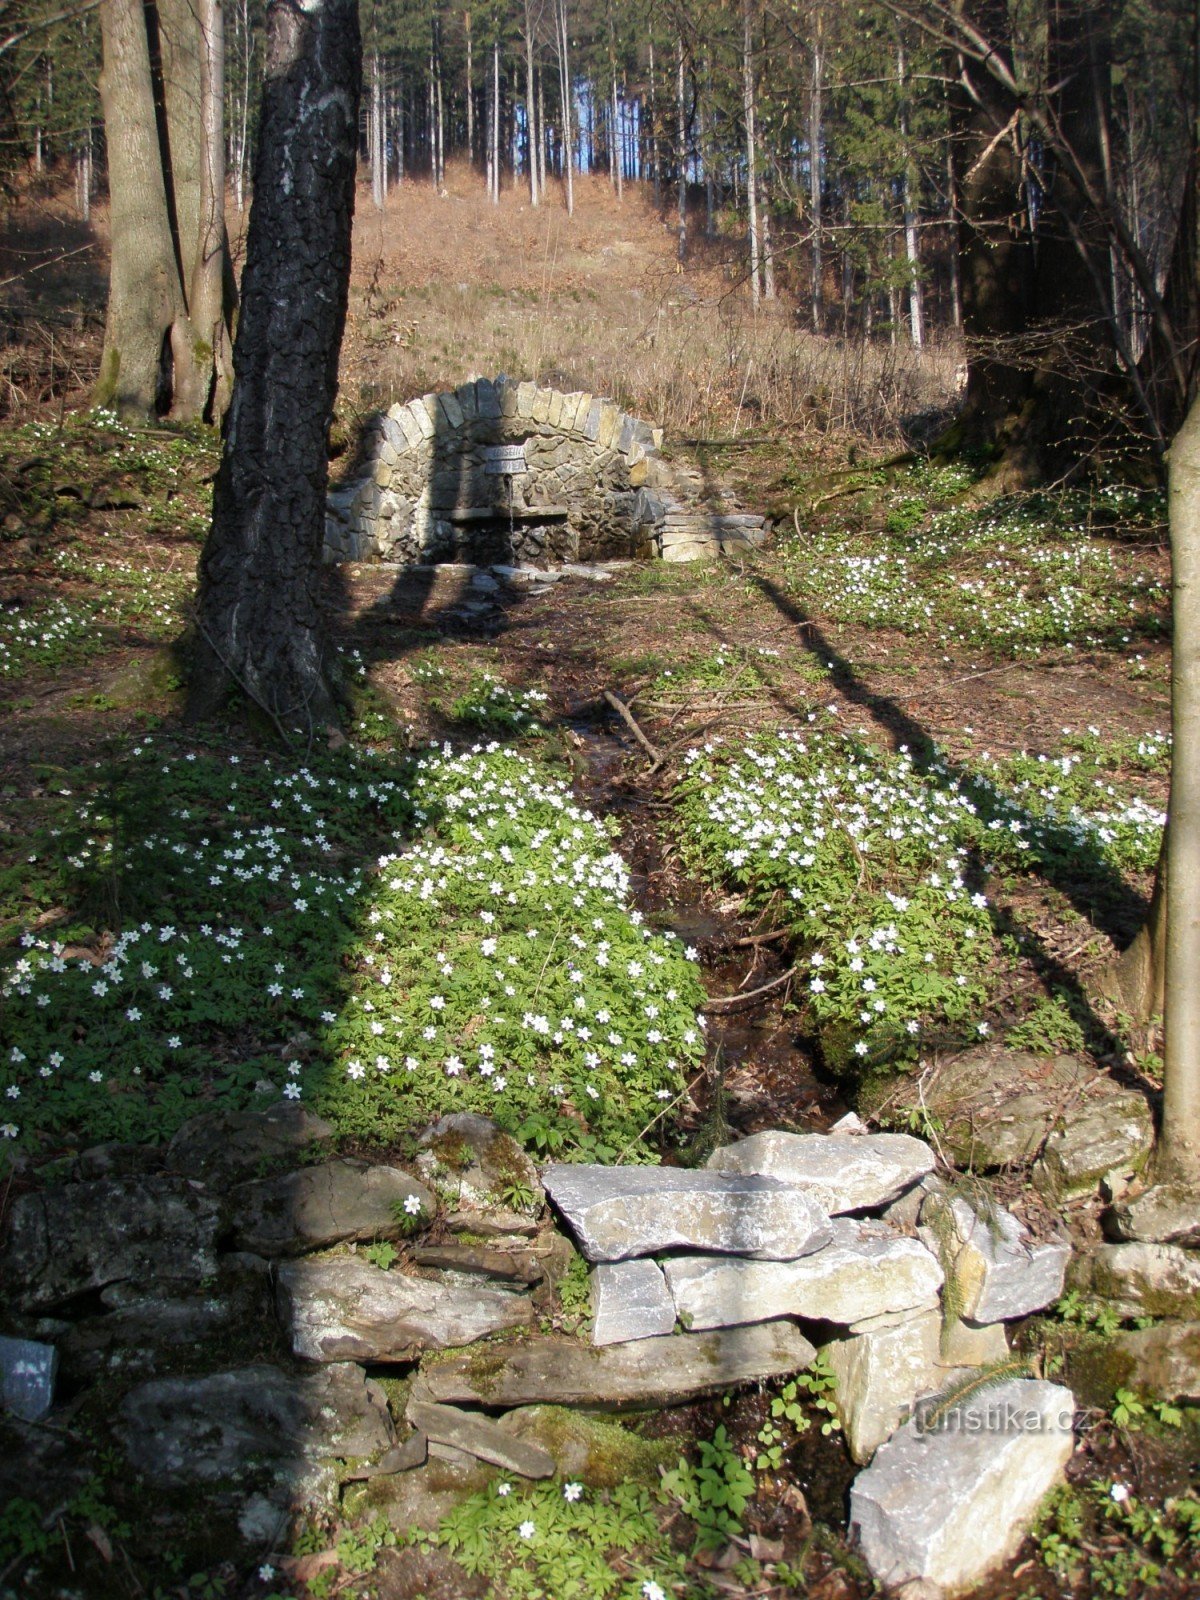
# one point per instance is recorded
(449, 287)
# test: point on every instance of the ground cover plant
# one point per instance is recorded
(878, 864)
(1025, 575)
(386, 939)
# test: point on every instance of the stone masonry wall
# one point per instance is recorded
(418, 491)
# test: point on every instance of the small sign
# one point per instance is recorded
(504, 460)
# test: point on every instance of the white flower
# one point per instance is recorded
(504, 1488)
(527, 1530)
(292, 1091)
(1119, 1492)
(572, 1491)
(653, 1591)
(412, 1205)
(266, 1572)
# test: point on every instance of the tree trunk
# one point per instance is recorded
(564, 68)
(751, 148)
(916, 312)
(259, 619)
(681, 154)
(1179, 1153)
(212, 365)
(530, 111)
(144, 296)
(652, 140)
(470, 92)
(814, 180)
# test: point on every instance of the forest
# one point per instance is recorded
(599, 799)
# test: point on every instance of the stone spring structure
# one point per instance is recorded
(505, 471)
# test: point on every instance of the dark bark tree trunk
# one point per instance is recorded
(259, 619)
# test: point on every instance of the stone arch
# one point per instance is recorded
(421, 489)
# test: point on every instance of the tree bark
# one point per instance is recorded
(259, 620)
(210, 370)
(681, 153)
(751, 148)
(144, 297)
(1179, 1152)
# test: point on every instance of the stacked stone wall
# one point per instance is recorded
(419, 490)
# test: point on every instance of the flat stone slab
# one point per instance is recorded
(880, 1375)
(344, 1309)
(950, 1502)
(480, 1437)
(553, 1370)
(1161, 1215)
(1154, 1280)
(999, 1273)
(27, 1372)
(1163, 1361)
(621, 1212)
(844, 1172)
(146, 1230)
(227, 1425)
(865, 1271)
(630, 1300)
(325, 1205)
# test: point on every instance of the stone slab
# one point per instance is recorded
(846, 1172)
(1160, 1215)
(865, 1271)
(881, 1375)
(948, 1505)
(1155, 1280)
(630, 1300)
(1112, 1133)
(999, 1273)
(553, 1370)
(27, 1372)
(343, 1309)
(480, 1437)
(620, 1212)
(228, 1425)
(325, 1205)
(66, 1241)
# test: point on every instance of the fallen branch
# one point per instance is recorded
(627, 717)
(735, 1002)
(761, 938)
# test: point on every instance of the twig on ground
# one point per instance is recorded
(735, 1002)
(627, 717)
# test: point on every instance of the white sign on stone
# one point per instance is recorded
(504, 460)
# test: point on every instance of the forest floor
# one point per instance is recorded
(1017, 650)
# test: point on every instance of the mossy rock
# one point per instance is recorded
(144, 680)
(589, 1449)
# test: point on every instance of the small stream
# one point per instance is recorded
(758, 1058)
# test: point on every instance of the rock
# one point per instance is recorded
(424, 1497)
(905, 1212)
(949, 1506)
(471, 1163)
(115, 1160)
(964, 1345)
(1159, 1215)
(589, 1449)
(343, 1309)
(232, 1425)
(224, 1147)
(510, 1266)
(1116, 1132)
(880, 1376)
(320, 1206)
(1142, 1280)
(414, 1452)
(142, 1332)
(479, 1437)
(844, 1172)
(630, 1300)
(998, 1106)
(998, 1275)
(27, 1372)
(146, 1230)
(648, 1372)
(619, 1212)
(494, 1223)
(865, 1271)
(1163, 1361)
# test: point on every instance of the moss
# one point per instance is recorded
(597, 1450)
(453, 1151)
(1097, 1369)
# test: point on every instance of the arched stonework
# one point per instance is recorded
(420, 490)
